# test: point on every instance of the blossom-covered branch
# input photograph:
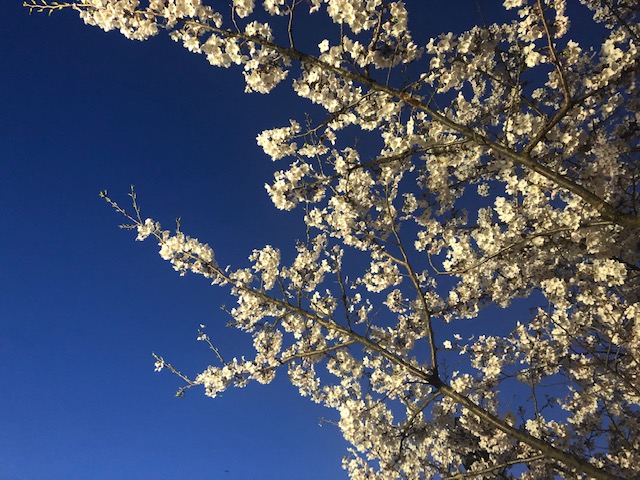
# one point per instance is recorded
(494, 165)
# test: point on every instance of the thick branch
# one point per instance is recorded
(430, 377)
(477, 473)
(522, 158)
(519, 158)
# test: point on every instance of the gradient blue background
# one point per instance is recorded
(82, 305)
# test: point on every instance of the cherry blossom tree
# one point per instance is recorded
(497, 164)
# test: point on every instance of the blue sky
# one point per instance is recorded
(83, 306)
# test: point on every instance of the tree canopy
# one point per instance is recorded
(443, 177)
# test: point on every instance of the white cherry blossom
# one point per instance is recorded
(495, 165)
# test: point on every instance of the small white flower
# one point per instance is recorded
(159, 365)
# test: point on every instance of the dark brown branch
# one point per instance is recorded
(519, 158)
(477, 473)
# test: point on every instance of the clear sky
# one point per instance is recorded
(82, 306)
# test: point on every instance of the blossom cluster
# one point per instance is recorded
(493, 165)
